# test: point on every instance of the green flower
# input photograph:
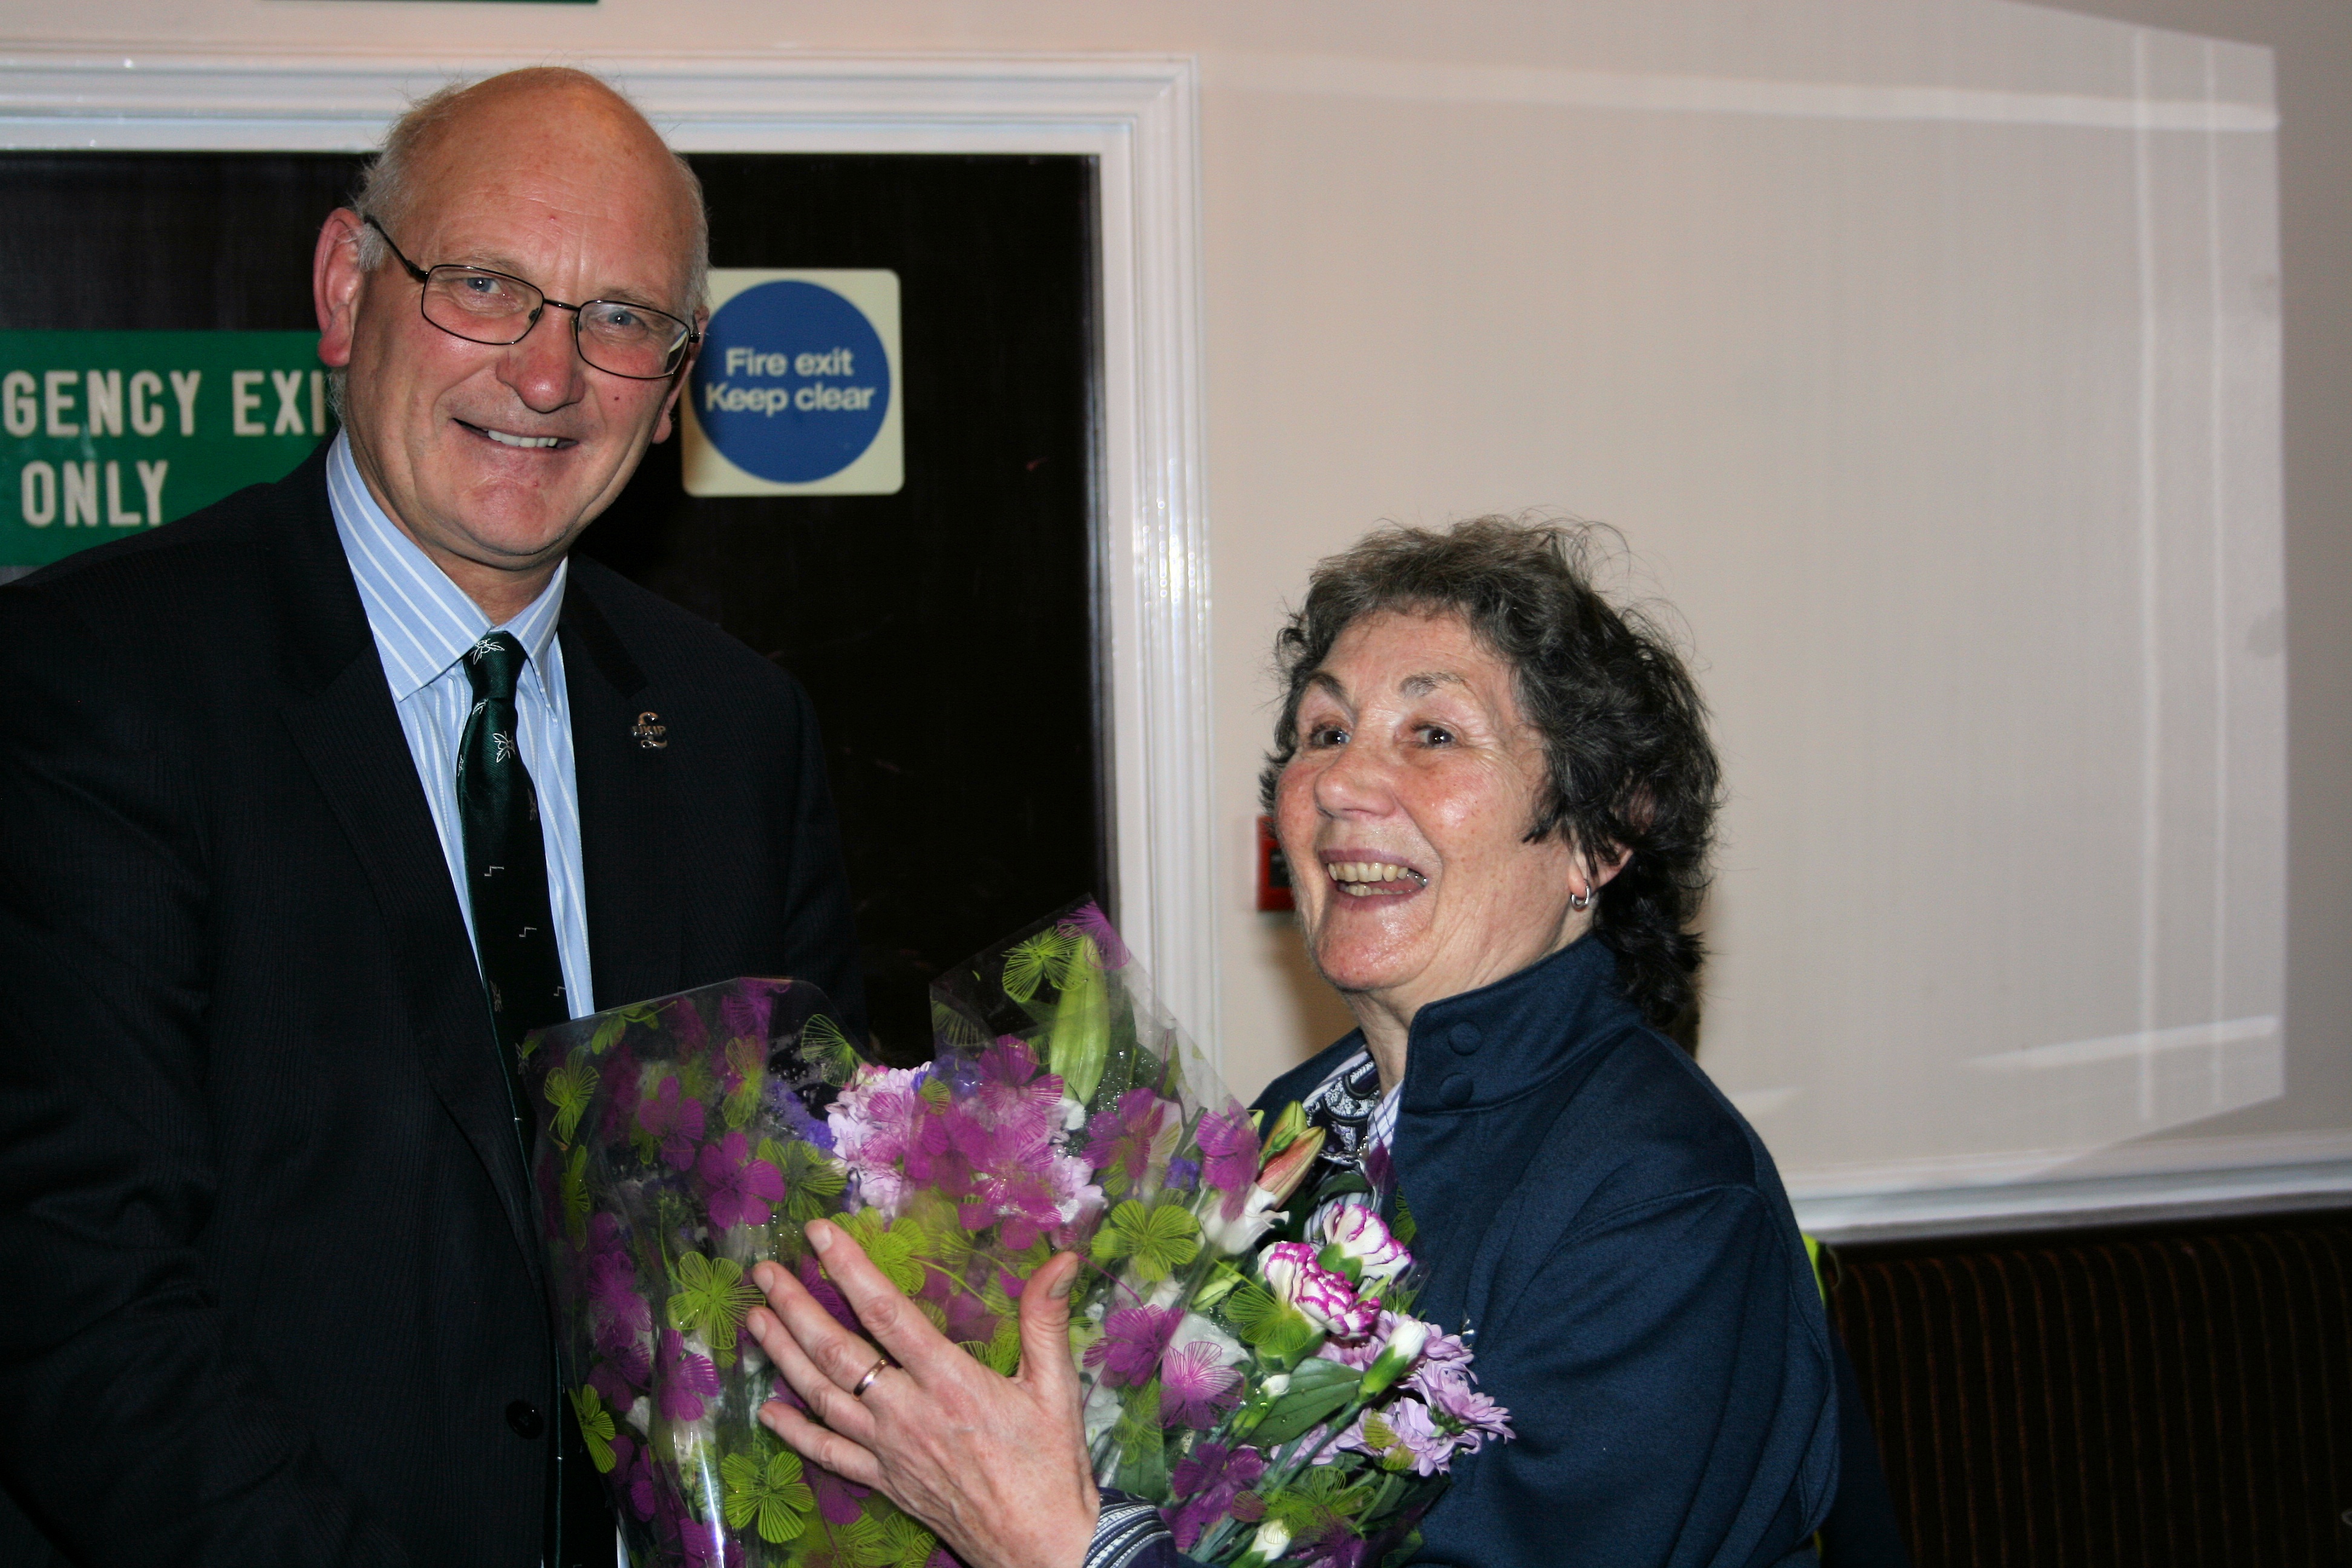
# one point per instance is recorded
(823, 1039)
(909, 1545)
(712, 1299)
(595, 1427)
(894, 1250)
(812, 1178)
(568, 1088)
(773, 1493)
(1160, 1240)
(1043, 957)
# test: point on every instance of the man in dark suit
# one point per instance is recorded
(311, 805)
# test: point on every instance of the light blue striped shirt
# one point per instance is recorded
(423, 624)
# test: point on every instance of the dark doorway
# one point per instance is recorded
(946, 633)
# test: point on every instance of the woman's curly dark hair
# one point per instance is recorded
(1623, 725)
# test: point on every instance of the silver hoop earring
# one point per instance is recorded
(1580, 901)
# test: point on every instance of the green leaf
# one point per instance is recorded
(1296, 1411)
(1317, 1374)
(1142, 1445)
(696, 1080)
(772, 1494)
(595, 1427)
(572, 1188)
(712, 1299)
(1253, 1311)
(1160, 1240)
(607, 1034)
(1403, 1228)
(568, 1088)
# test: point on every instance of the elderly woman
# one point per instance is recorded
(1495, 792)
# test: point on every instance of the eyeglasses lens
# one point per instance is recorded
(492, 308)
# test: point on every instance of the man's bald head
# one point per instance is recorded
(556, 105)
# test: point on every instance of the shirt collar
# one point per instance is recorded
(1475, 1050)
(422, 622)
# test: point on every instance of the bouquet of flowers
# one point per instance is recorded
(1276, 1401)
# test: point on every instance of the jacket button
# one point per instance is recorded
(525, 1418)
(1456, 1088)
(1465, 1037)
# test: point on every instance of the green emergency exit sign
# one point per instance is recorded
(106, 433)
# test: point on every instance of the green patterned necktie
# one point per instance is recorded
(506, 859)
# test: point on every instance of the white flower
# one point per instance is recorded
(1236, 1235)
(1361, 1234)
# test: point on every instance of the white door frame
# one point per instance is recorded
(1136, 114)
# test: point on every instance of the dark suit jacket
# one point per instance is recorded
(267, 1281)
(1618, 1238)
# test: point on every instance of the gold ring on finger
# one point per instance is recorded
(867, 1381)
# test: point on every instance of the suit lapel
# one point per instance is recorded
(347, 732)
(626, 858)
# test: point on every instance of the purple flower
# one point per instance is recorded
(1194, 1385)
(611, 1379)
(744, 1013)
(675, 1124)
(1210, 1480)
(738, 1189)
(686, 1025)
(876, 1123)
(836, 1497)
(1184, 1174)
(784, 1105)
(813, 1282)
(1458, 1406)
(707, 1544)
(1133, 1340)
(634, 1466)
(1291, 1272)
(613, 1295)
(1087, 920)
(686, 1379)
(1121, 1144)
(1229, 1154)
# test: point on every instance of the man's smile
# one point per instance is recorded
(509, 439)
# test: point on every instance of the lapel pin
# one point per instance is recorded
(648, 733)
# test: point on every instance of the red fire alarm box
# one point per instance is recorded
(1272, 870)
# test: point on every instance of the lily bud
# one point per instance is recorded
(1281, 1173)
(1272, 1540)
(1288, 1123)
(1079, 1047)
(1404, 1347)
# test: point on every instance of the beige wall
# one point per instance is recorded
(1395, 260)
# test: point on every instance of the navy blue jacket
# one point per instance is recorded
(1595, 1209)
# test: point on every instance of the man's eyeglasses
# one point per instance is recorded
(484, 306)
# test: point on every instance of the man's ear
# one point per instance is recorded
(336, 284)
(678, 379)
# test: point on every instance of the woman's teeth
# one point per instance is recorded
(1360, 878)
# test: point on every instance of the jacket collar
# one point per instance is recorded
(1478, 1049)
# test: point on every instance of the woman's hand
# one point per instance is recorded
(996, 1467)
